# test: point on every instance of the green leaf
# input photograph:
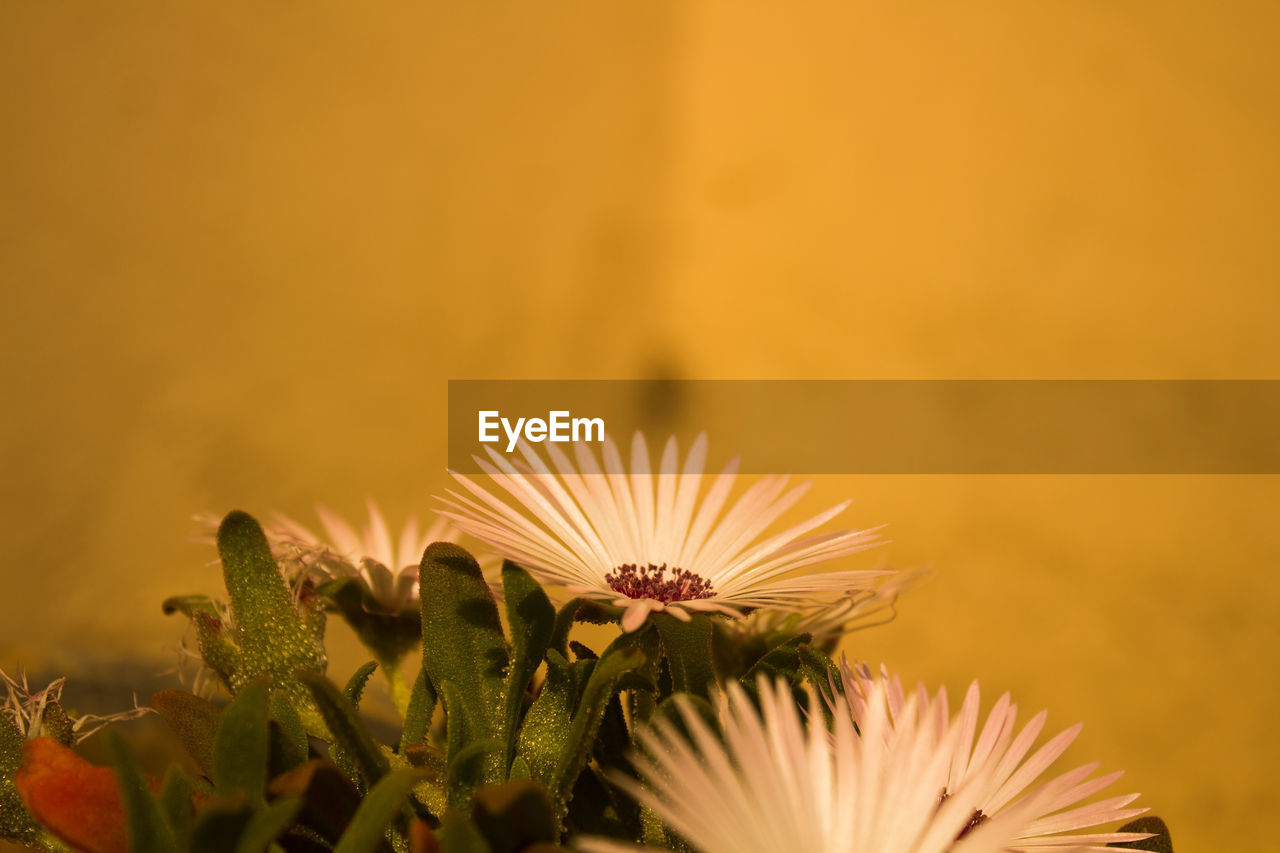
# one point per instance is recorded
(613, 743)
(11, 741)
(267, 825)
(274, 637)
(781, 661)
(217, 651)
(149, 832)
(520, 769)
(289, 745)
(356, 683)
(379, 807)
(15, 822)
(193, 720)
(468, 770)
(563, 625)
(687, 647)
(622, 656)
(349, 731)
(545, 732)
(175, 801)
(579, 610)
(462, 640)
(671, 710)
(417, 718)
(532, 619)
(594, 809)
(57, 724)
(818, 668)
(459, 835)
(243, 748)
(471, 758)
(1159, 842)
(188, 605)
(220, 825)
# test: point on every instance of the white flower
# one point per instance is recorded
(776, 782)
(387, 565)
(647, 542)
(988, 776)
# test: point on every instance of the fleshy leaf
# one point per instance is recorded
(175, 801)
(77, 801)
(274, 637)
(687, 647)
(460, 835)
(349, 731)
(782, 661)
(1159, 842)
(462, 640)
(354, 688)
(189, 605)
(193, 720)
(532, 619)
(622, 656)
(578, 610)
(147, 828)
(15, 822)
(545, 732)
(379, 807)
(594, 810)
(289, 745)
(268, 824)
(467, 770)
(417, 718)
(243, 748)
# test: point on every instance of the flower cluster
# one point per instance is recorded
(714, 719)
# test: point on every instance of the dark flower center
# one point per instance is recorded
(653, 582)
(975, 820)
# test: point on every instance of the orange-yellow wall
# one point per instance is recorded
(243, 245)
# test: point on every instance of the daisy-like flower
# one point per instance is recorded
(776, 782)
(645, 541)
(988, 777)
(387, 566)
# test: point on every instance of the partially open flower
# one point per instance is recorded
(994, 775)
(775, 781)
(386, 566)
(647, 541)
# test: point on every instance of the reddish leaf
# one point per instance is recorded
(421, 838)
(77, 801)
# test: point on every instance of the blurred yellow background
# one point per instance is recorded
(244, 245)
